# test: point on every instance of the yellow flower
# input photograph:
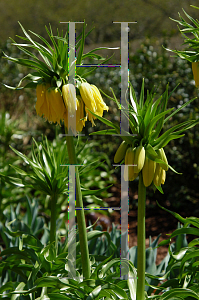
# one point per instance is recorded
(93, 101)
(80, 116)
(101, 105)
(195, 69)
(86, 93)
(90, 116)
(42, 107)
(69, 96)
(56, 105)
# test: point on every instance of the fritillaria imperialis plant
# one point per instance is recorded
(191, 53)
(59, 100)
(143, 154)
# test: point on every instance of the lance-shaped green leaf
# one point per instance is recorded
(166, 140)
(151, 151)
(105, 132)
(191, 19)
(178, 109)
(133, 99)
(130, 114)
(43, 52)
(158, 110)
(105, 121)
(80, 70)
(141, 103)
(179, 293)
(127, 138)
(87, 168)
(150, 126)
(94, 192)
(49, 49)
(184, 126)
(151, 110)
(12, 180)
(31, 64)
(193, 43)
(189, 256)
(134, 120)
(19, 170)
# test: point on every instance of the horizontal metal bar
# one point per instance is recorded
(99, 208)
(98, 66)
(72, 22)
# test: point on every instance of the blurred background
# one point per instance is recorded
(147, 58)
(152, 16)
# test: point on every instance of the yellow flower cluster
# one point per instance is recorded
(136, 161)
(55, 107)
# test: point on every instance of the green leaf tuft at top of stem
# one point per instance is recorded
(143, 149)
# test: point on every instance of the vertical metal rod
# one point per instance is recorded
(71, 224)
(124, 222)
(124, 124)
(71, 77)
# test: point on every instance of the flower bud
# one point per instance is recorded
(129, 161)
(162, 156)
(163, 176)
(119, 155)
(139, 159)
(148, 171)
(158, 175)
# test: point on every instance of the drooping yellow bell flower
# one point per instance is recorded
(101, 105)
(93, 101)
(86, 93)
(56, 105)
(42, 107)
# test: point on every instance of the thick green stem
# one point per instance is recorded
(79, 213)
(53, 218)
(141, 257)
(43, 292)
